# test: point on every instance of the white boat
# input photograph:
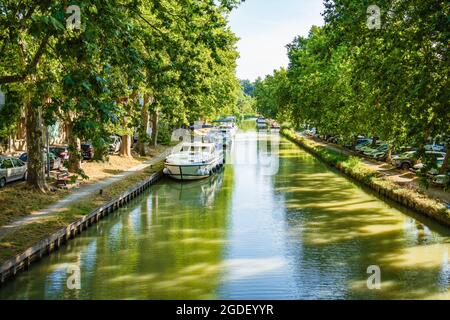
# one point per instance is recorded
(261, 123)
(224, 134)
(229, 129)
(193, 161)
(261, 120)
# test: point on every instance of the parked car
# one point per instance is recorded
(55, 162)
(11, 169)
(433, 171)
(407, 160)
(311, 132)
(378, 153)
(441, 179)
(404, 160)
(331, 139)
(435, 147)
(369, 147)
(364, 146)
(87, 150)
(114, 144)
(60, 151)
(360, 142)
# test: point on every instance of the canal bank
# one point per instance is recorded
(355, 169)
(108, 200)
(302, 231)
(32, 237)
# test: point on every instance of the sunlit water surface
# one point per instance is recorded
(275, 224)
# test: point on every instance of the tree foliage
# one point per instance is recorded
(347, 79)
(179, 54)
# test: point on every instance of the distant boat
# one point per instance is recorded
(226, 120)
(228, 129)
(223, 134)
(261, 123)
(193, 161)
(274, 124)
(261, 120)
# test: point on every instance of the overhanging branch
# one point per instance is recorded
(30, 68)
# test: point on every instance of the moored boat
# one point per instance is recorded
(193, 161)
(261, 120)
(228, 129)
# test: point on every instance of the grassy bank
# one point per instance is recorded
(353, 167)
(25, 236)
(18, 200)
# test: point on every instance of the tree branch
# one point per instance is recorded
(31, 66)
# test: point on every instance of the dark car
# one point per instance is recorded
(359, 142)
(55, 162)
(60, 151)
(87, 150)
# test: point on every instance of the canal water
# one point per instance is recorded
(275, 224)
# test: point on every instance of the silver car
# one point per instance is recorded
(11, 169)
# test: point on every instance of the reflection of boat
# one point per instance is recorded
(192, 161)
(261, 123)
(201, 192)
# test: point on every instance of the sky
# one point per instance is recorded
(265, 27)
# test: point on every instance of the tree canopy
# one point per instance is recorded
(348, 78)
(171, 61)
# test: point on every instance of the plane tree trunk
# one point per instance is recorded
(125, 146)
(446, 164)
(354, 141)
(143, 129)
(35, 146)
(374, 142)
(389, 154)
(155, 120)
(74, 162)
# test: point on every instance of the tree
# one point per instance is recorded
(248, 87)
(181, 54)
(347, 79)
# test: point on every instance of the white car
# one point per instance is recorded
(433, 171)
(114, 144)
(12, 169)
(435, 147)
(441, 179)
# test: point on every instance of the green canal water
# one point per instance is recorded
(275, 224)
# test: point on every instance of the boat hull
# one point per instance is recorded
(192, 171)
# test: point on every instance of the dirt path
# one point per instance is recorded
(80, 193)
(401, 177)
